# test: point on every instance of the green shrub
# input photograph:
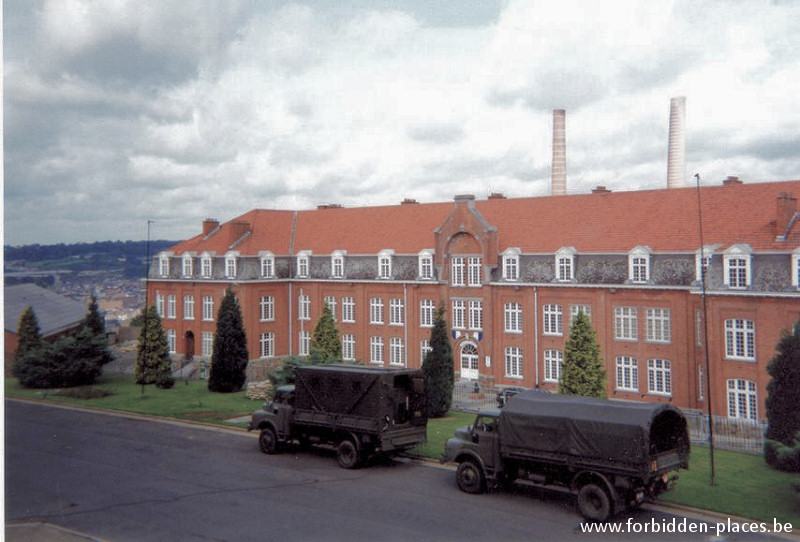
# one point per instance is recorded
(782, 456)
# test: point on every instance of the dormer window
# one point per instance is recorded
(565, 264)
(702, 262)
(230, 264)
(337, 264)
(511, 264)
(205, 265)
(267, 264)
(385, 264)
(303, 263)
(425, 259)
(737, 272)
(639, 265)
(188, 265)
(796, 268)
(163, 264)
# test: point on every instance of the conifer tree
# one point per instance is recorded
(153, 363)
(438, 367)
(229, 358)
(782, 444)
(583, 372)
(28, 333)
(325, 343)
(92, 335)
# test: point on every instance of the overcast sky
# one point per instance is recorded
(121, 111)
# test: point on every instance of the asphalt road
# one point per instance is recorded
(120, 479)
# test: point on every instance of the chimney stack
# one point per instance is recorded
(676, 158)
(558, 175)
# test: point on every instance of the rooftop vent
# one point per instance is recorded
(409, 201)
(600, 189)
(329, 206)
(732, 179)
(496, 195)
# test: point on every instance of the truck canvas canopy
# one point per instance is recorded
(626, 433)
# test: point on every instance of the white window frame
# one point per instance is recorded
(396, 312)
(304, 307)
(658, 325)
(304, 343)
(659, 377)
(703, 260)
(459, 314)
(474, 271)
(348, 309)
(795, 272)
(511, 264)
(206, 344)
(397, 351)
(337, 264)
(348, 347)
(553, 363)
(172, 341)
(626, 324)
(475, 313)
(376, 350)
(639, 265)
(575, 309)
(385, 264)
(552, 320)
(188, 307)
(627, 374)
(458, 271)
(267, 264)
(187, 268)
(512, 317)
(303, 264)
(565, 264)
(424, 348)
(330, 300)
(513, 362)
(742, 399)
(206, 265)
(172, 306)
(427, 310)
(740, 339)
(266, 308)
(231, 267)
(163, 264)
(160, 305)
(266, 345)
(376, 311)
(425, 264)
(738, 267)
(208, 308)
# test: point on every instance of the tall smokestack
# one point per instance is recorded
(558, 175)
(676, 159)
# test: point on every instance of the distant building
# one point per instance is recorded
(57, 315)
(512, 273)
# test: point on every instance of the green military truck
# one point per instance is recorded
(361, 411)
(613, 454)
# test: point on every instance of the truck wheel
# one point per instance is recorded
(594, 503)
(268, 441)
(347, 455)
(470, 477)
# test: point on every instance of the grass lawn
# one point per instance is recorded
(745, 486)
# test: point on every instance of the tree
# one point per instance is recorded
(92, 335)
(325, 343)
(583, 371)
(28, 332)
(782, 443)
(438, 368)
(153, 363)
(229, 357)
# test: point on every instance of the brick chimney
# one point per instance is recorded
(496, 195)
(600, 189)
(209, 225)
(785, 213)
(732, 179)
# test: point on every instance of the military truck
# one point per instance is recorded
(613, 454)
(361, 411)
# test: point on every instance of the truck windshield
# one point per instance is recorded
(485, 423)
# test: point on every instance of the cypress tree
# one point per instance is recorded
(782, 444)
(153, 363)
(583, 372)
(325, 344)
(438, 367)
(28, 332)
(229, 358)
(92, 335)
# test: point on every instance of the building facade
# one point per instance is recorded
(512, 274)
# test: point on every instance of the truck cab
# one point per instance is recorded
(477, 450)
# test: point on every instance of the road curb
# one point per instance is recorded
(45, 532)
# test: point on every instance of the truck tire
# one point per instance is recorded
(470, 477)
(268, 441)
(594, 503)
(347, 455)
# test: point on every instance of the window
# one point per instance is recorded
(304, 346)
(658, 324)
(208, 308)
(348, 347)
(476, 315)
(376, 310)
(627, 374)
(796, 268)
(330, 301)
(337, 264)
(702, 262)
(427, 309)
(207, 344)
(701, 383)
(396, 351)
(163, 265)
(205, 266)
(267, 265)
(303, 263)
(565, 264)
(304, 307)
(171, 306)
(459, 314)
(698, 328)
(267, 308)
(188, 307)
(553, 360)
(475, 267)
(396, 310)
(172, 341)
(267, 345)
(740, 340)
(187, 265)
(385, 264)
(552, 320)
(376, 349)
(514, 362)
(639, 265)
(424, 348)
(160, 305)
(348, 309)
(513, 317)
(742, 399)
(625, 324)
(575, 309)
(659, 376)
(425, 260)
(230, 264)
(511, 264)
(736, 268)
(458, 271)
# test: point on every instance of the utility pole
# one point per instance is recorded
(146, 297)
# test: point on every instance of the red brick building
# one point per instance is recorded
(512, 273)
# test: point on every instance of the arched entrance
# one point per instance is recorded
(469, 361)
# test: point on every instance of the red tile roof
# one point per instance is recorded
(666, 220)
